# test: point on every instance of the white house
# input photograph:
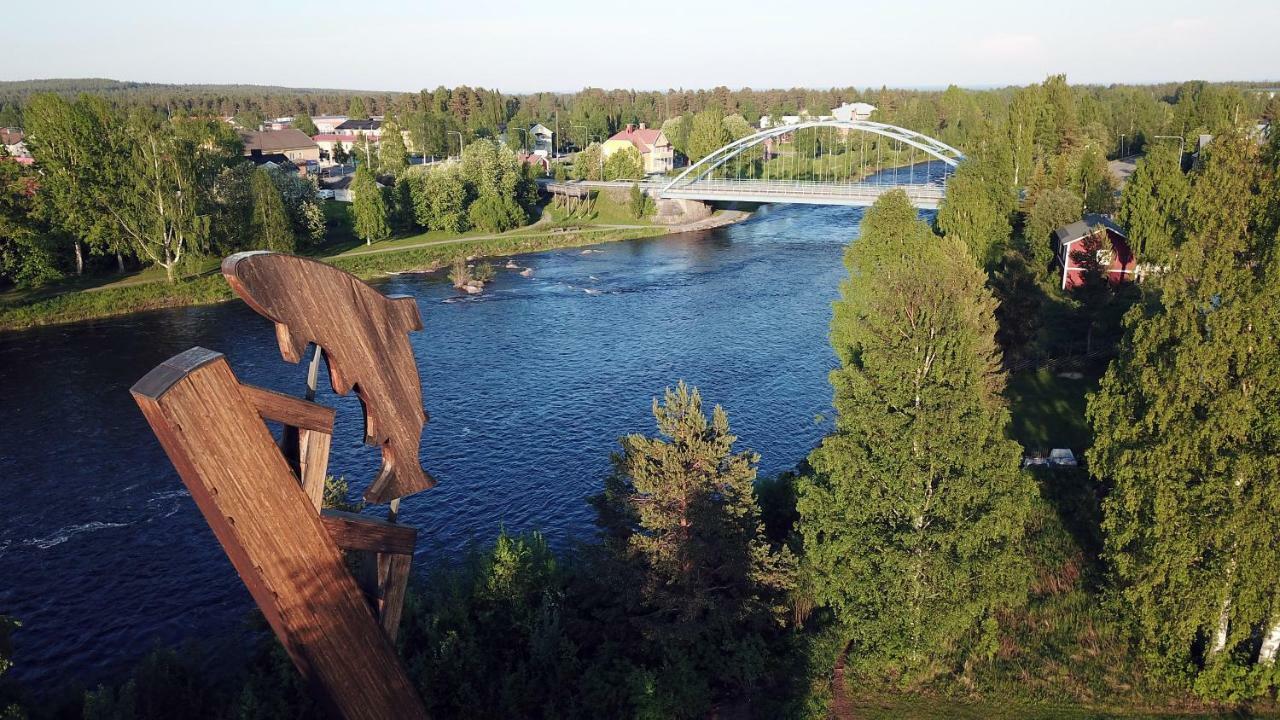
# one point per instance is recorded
(849, 112)
(543, 140)
(326, 124)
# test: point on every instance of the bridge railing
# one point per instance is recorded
(808, 187)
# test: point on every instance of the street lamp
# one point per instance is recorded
(455, 132)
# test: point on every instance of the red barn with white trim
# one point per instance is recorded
(1112, 251)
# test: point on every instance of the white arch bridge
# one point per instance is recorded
(854, 164)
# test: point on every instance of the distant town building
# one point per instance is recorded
(371, 127)
(328, 123)
(540, 161)
(849, 112)
(655, 150)
(291, 143)
(328, 141)
(12, 139)
(279, 123)
(543, 140)
(768, 121)
(1113, 253)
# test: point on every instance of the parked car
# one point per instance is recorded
(325, 194)
(1062, 457)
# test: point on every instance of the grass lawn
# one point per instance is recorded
(1048, 409)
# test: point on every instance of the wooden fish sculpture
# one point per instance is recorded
(364, 337)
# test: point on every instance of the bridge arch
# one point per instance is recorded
(935, 148)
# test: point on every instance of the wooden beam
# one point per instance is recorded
(273, 536)
(292, 411)
(313, 464)
(352, 531)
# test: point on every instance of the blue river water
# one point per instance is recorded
(103, 554)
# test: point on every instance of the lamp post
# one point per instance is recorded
(455, 132)
(1122, 137)
(1182, 145)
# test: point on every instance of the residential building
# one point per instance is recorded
(12, 139)
(326, 124)
(371, 127)
(655, 150)
(767, 121)
(1110, 247)
(292, 143)
(350, 143)
(543, 140)
(849, 112)
(541, 162)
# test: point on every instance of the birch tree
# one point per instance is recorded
(913, 517)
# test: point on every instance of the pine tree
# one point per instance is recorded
(1186, 432)
(1050, 210)
(1152, 204)
(369, 206)
(680, 511)
(340, 155)
(269, 226)
(913, 516)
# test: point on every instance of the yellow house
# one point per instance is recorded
(655, 149)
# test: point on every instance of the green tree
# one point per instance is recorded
(440, 199)
(369, 207)
(680, 510)
(624, 164)
(707, 134)
(269, 226)
(981, 199)
(1186, 435)
(1051, 209)
(340, 155)
(355, 109)
(913, 517)
(1153, 203)
(27, 255)
(304, 123)
(641, 204)
(393, 158)
(73, 146)
(587, 164)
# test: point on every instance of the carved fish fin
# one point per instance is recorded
(391, 484)
(291, 346)
(405, 311)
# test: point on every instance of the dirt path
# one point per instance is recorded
(841, 708)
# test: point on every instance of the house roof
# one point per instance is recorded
(10, 136)
(1084, 227)
(540, 129)
(276, 159)
(369, 124)
(334, 137)
(273, 141)
(643, 138)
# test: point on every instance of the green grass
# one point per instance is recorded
(1048, 409)
(81, 300)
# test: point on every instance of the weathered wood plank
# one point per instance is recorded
(352, 531)
(292, 411)
(394, 572)
(278, 544)
(313, 464)
(364, 336)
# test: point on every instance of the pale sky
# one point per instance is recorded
(569, 44)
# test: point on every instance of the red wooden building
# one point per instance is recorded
(1099, 236)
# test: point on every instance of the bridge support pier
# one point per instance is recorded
(680, 211)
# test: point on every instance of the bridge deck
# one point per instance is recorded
(807, 192)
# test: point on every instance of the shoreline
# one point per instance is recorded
(368, 264)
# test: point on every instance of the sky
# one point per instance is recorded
(568, 44)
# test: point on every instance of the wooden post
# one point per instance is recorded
(211, 428)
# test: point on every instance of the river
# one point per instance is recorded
(103, 554)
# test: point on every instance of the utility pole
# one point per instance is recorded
(455, 132)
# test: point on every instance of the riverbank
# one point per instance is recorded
(367, 262)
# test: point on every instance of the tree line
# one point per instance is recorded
(137, 187)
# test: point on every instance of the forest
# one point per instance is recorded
(910, 558)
